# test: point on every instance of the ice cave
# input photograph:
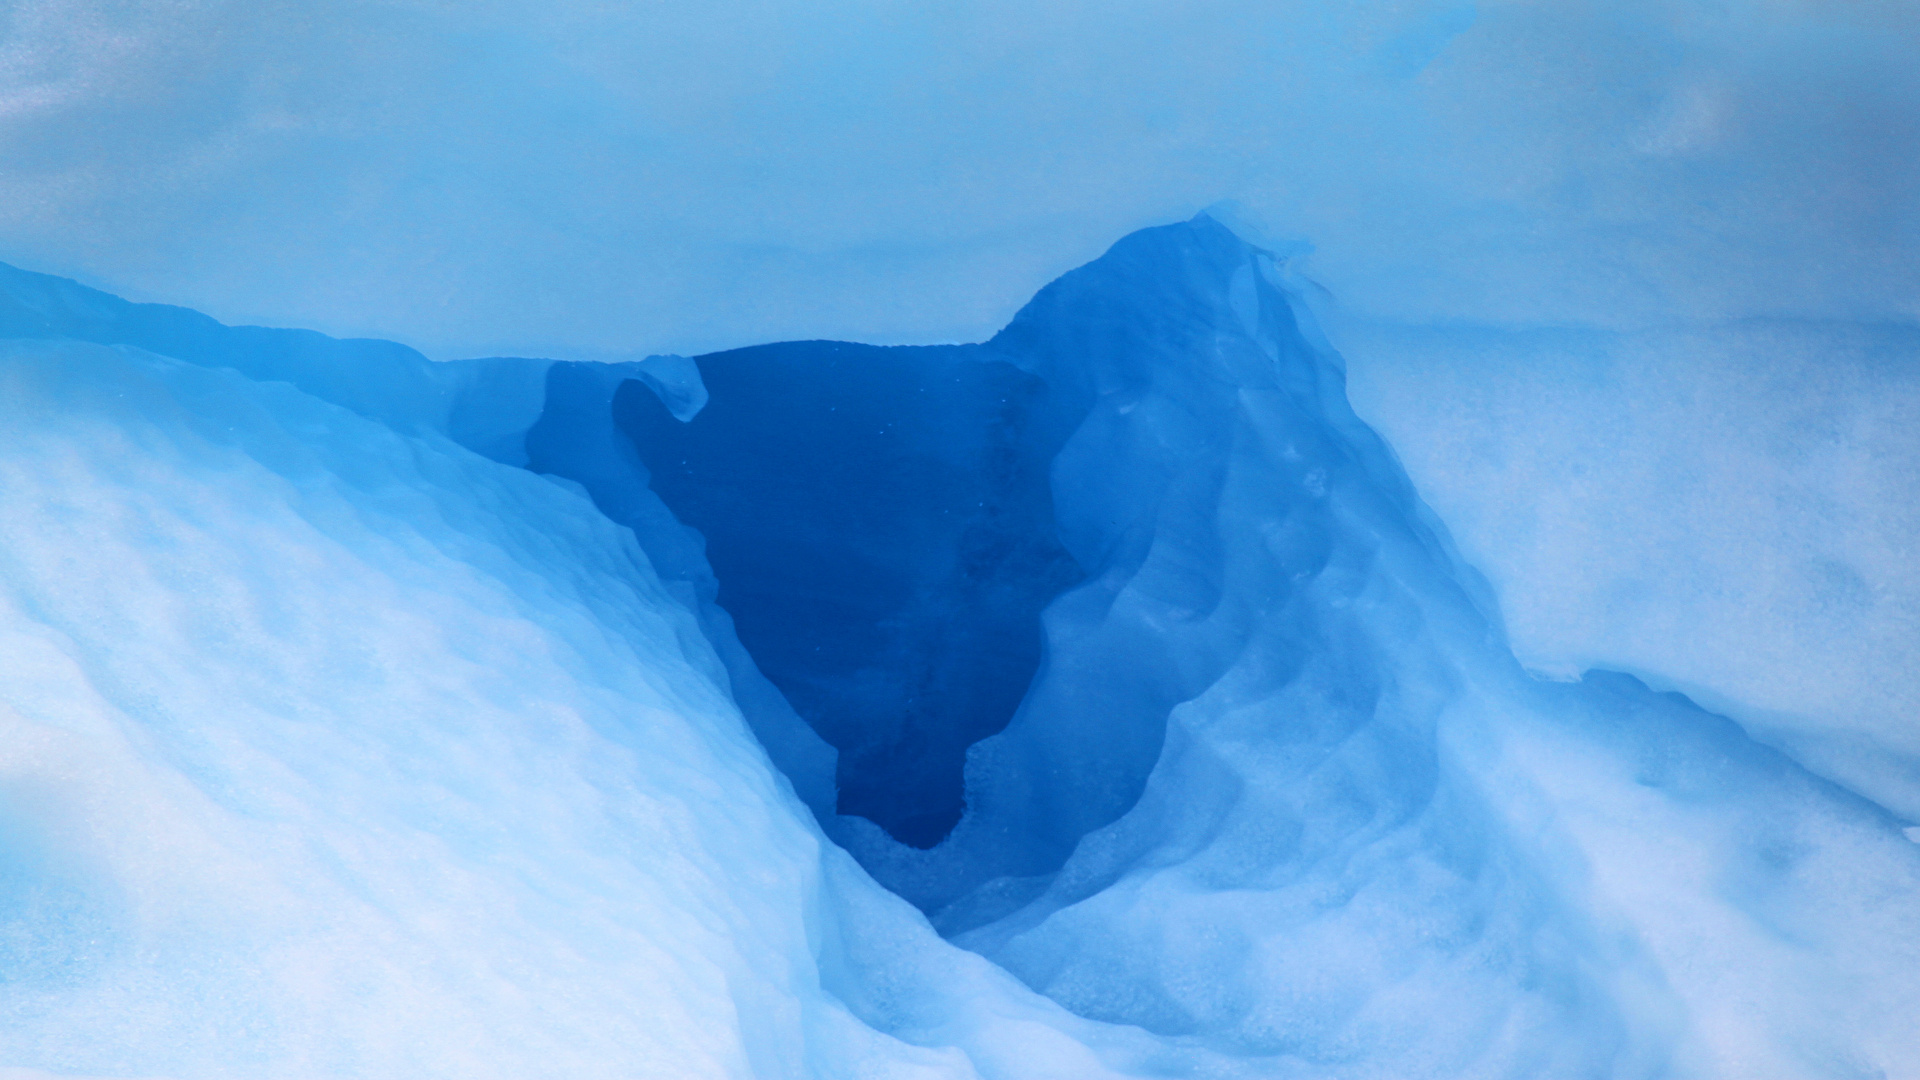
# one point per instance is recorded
(1200, 540)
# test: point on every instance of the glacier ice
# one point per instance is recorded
(370, 716)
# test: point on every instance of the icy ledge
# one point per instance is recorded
(340, 743)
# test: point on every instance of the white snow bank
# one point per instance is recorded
(332, 752)
(1727, 510)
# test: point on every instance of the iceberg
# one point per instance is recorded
(1100, 699)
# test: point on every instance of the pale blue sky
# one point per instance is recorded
(575, 177)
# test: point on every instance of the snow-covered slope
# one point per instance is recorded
(336, 752)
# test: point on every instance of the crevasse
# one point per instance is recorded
(345, 743)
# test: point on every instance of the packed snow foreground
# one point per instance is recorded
(1099, 700)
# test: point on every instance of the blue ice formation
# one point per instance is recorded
(1097, 700)
(880, 526)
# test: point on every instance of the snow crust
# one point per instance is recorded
(340, 744)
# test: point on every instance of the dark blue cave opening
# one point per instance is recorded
(881, 527)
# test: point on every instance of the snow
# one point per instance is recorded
(1727, 510)
(334, 752)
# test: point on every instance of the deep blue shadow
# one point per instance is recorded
(881, 527)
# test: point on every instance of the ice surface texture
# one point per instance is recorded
(338, 744)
